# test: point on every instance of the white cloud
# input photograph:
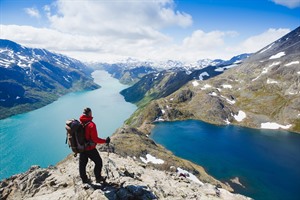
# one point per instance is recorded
(32, 12)
(257, 42)
(198, 45)
(113, 30)
(200, 39)
(288, 3)
(130, 19)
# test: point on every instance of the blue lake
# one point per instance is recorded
(267, 162)
(38, 137)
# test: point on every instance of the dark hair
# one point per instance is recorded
(86, 111)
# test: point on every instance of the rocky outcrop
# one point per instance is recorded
(127, 178)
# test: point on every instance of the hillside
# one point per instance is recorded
(162, 83)
(262, 92)
(128, 178)
(31, 78)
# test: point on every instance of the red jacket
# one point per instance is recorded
(91, 132)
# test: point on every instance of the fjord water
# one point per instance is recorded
(267, 162)
(38, 137)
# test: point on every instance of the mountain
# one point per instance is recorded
(132, 70)
(31, 78)
(262, 92)
(163, 83)
(141, 178)
(128, 75)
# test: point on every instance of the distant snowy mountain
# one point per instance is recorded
(162, 83)
(179, 65)
(132, 70)
(31, 78)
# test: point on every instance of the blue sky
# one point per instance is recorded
(112, 30)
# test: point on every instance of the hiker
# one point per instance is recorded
(90, 151)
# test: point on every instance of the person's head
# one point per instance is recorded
(87, 112)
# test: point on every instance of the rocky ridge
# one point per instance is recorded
(128, 178)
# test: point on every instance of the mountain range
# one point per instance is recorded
(262, 92)
(31, 77)
(132, 70)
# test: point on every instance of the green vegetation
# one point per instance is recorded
(296, 127)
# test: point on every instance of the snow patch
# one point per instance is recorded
(265, 70)
(293, 93)
(202, 75)
(206, 86)
(213, 94)
(227, 86)
(240, 116)
(278, 55)
(273, 125)
(66, 79)
(292, 63)
(195, 83)
(227, 121)
(256, 78)
(150, 158)
(156, 76)
(228, 100)
(270, 81)
(159, 119)
(188, 175)
(266, 48)
(221, 69)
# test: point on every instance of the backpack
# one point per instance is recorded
(76, 136)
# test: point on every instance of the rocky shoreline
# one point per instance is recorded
(136, 167)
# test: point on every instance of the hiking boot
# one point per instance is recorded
(101, 179)
(88, 181)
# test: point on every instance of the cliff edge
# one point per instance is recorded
(127, 178)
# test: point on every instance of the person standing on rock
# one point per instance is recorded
(91, 152)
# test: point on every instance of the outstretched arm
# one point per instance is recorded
(94, 134)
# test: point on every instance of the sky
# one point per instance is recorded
(158, 30)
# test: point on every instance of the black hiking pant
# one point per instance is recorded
(83, 160)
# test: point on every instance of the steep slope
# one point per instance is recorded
(129, 178)
(31, 78)
(163, 83)
(263, 92)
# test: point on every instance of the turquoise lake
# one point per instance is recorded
(267, 162)
(38, 137)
